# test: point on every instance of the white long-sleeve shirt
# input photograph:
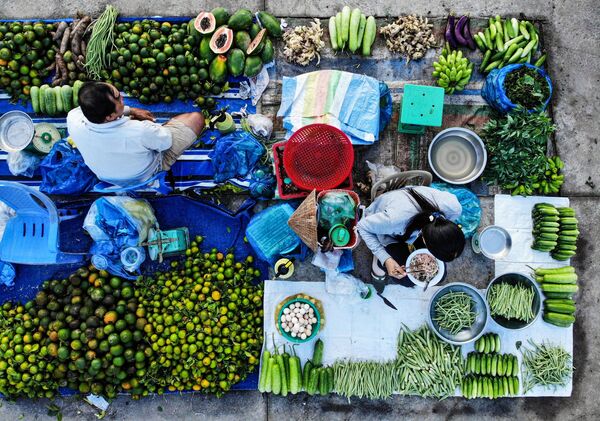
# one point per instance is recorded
(387, 217)
(121, 152)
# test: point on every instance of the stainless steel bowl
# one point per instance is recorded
(514, 279)
(481, 311)
(494, 242)
(16, 131)
(457, 159)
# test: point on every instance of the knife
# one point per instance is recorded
(387, 302)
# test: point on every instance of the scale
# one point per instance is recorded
(167, 243)
(45, 136)
(422, 106)
(284, 268)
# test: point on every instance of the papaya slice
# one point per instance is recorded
(221, 40)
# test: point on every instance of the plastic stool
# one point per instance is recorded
(421, 106)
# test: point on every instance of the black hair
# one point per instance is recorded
(443, 238)
(97, 101)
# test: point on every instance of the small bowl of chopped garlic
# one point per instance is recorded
(299, 320)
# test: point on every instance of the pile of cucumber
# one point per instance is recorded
(57, 100)
(555, 230)
(490, 374)
(559, 285)
(352, 29)
(281, 374)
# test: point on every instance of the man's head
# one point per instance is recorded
(100, 102)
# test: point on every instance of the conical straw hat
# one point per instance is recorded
(304, 221)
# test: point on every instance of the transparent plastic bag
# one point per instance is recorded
(345, 286)
(6, 212)
(378, 172)
(336, 208)
(22, 163)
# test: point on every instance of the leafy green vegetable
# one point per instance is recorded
(527, 87)
(516, 144)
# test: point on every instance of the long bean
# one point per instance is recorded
(454, 312)
(545, 365)
(511, 301)
(97, 54)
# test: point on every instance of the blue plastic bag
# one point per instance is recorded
(493, 88)
(64, 172)
(235, 155)
(385, 106)
(115, 223)
(471, 209)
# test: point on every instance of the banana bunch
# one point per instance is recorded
(452, 70)
(506, 42)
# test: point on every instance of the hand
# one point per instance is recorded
(141, 114)
(394, 269)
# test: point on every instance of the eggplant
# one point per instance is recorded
(450, 32)
(467, 35)
(458, 29)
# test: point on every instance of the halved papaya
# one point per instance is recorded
(221, 40)
(205, 23)
(257, 43)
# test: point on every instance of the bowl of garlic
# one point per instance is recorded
(299, 320)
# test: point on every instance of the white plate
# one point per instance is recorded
(436, 279)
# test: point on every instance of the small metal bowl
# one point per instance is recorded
(494, 242)
(473, 140)
(16, 131)
(514, 279)
(481, 309)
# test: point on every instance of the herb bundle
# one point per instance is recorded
(516, 144)
(526, 87)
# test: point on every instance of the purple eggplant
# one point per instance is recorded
(458, 31)
(467, 35)
(450, 32)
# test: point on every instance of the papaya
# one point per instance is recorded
(267, 53)
(66, 93)
(76, 87)
(221, 16)
(235, 61)
(205, 23)
(269, 22)
(204, 49)
(217, 70)
(252, 66)
(254, 30)
(221, 40)
(257, 43)
(240, 20)
(242, 40)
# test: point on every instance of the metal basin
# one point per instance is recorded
(515, 279)
(457, 155)
(479, 306)
(16, 131)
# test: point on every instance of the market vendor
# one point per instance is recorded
(418, 216)
(124, 145)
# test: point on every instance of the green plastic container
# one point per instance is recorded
(315, 329)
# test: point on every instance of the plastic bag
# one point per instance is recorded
(336, 208)
(471, 210)
(22, 163)
(235, 155)
(115, 223)
(64, 171)
(378, 172)
(493, 89)
(385, 106)
(260, 125)
(7, 274)
(6, 212)
(346, 286)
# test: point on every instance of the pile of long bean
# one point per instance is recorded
(427, 366)
(545, 365)
(454, 312)
(100, 41)
(368, 379)
(511, 301)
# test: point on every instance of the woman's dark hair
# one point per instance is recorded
(97, 101)
(444, 239)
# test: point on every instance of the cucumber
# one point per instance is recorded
(317, 358)
(313, 382)
(76, 87)
(515, 370)
(333, 33)
(295, 375)
(353, 30)
(494, 369)
(66, 93)
(60, 108)
(330, 379)
(338, 31)
(262, 380)
(346, 12)
(568, 220)
(276, 379)
(515, 381)
(553, 317)
(560, 288)
(505, 390)
(269, 379)
(553, 271)
(497, 339)
(50, 101)
(509, 365)
(566, 278)
(361, 29)
(323, 385)
(282, 375)
(306, 375)
(559, 307)
(559, 295)
(34, 94)
(369, 36)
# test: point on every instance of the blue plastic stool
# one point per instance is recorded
(31, 237)
(155, 183)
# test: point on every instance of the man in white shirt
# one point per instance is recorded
(124, 145)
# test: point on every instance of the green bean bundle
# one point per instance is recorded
(454, 312)
(546, 365)
(427, 366)
(368, 379)
(100, 41)
(511, 301)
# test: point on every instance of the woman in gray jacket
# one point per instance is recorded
(421, 216)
